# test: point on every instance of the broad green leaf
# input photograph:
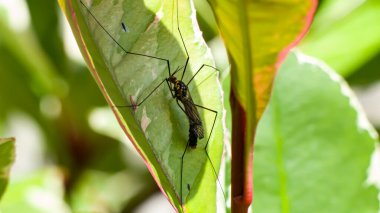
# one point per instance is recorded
(345, 34)
(40, 192)
(257, 35)
(314, 144)
(7, 156)
(158, 128)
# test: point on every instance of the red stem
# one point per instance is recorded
(241, 169)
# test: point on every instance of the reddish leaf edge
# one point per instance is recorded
(110, 103)
(309, 19)
(242, 183)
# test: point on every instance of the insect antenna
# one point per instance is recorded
(204, 65)
(177, 70)
(134, 105)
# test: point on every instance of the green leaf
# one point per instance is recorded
(257, 35)
(313, 145)
(337, 30)
(158, 128)
(39, 192)
(7, 153)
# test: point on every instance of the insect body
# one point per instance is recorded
(182, 95)
(180, 92)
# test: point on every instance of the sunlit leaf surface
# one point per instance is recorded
(255, 37)
(314, 144)
(158, 128)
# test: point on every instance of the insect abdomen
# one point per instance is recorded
(195, 133)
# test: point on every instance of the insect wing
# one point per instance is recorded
(158, 125)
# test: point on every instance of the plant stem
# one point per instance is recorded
(241, 169)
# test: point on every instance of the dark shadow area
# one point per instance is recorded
(367, 74)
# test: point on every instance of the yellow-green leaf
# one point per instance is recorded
(7, 156)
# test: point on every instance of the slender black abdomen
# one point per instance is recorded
(195, 132)
(190, 109)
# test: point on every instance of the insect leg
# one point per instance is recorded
(183, 42)
(187, 145)
(146, 97)
(170, 88)
(183, 155)
(204, 65)
(213, 124)
(118, 44)
(208, 140)
(180, 106)
(131, 53)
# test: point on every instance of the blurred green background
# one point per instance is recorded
(71, 154)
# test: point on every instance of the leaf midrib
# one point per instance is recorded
(280, 161)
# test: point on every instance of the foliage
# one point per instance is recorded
(313, 144)
(157, 133)
(7, 153)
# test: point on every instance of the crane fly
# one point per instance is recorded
(179, 90)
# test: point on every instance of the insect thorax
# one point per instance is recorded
(180, 89)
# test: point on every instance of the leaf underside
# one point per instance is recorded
(157, 128)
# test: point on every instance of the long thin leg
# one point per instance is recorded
(125, 51)
(204, 65)
(180, 106)
(208, 156)
(183, 42)
(170, 88)
(171, 91)
(146, 97)
(183, 155)
(208, 140)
